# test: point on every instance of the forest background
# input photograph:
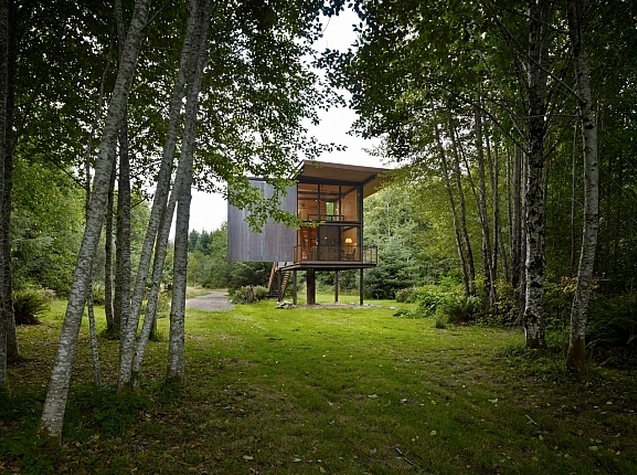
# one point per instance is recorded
(513, 124)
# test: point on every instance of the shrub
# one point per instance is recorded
(249, 294)
(441, 320)
(428, 301)
(99, 294)
(612, 329)
(461, 309)
(405, 295)
(28, 305)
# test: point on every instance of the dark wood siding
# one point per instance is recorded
(276, 241)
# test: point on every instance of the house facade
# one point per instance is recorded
(328, 200)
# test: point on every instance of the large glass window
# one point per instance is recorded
(333, 217)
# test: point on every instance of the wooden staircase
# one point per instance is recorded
(277, 275)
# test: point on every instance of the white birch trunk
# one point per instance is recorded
(155, 289)
(176, 348)
(534, 193)
(55, 403)
(158, 209)
(123, 235)
(575, 358)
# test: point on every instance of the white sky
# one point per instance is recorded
(209, 211)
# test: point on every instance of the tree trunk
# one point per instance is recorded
(487, 255)
(123, 236)
(112, 325)
(515, 212)
(55, 403)
(575, 358)
(150, 319)
(534, 193)
(176, 352)
(159, 206)
(6, 164)
(97, 378)
(454, 214)
(462, 214)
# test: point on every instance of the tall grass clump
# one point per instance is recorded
(28, 305)
(461, 309)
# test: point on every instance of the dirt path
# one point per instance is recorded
(215, 301)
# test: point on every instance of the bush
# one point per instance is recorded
(249, 294)
(28, 305)
(461, 309)
(612, 329)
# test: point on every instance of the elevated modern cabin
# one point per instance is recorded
(328, 199)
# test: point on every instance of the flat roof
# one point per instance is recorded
(371, 178)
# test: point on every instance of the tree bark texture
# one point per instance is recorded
(55, 403)
(575, 358)
(159, 205)
(176, 351)
(487, 255)
(6, 301)
(123, 234)
(111, 324)
(462, 212)
(534, 204)
(454, 214)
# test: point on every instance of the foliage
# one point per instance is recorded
(461, 309)
(28, 305)
(249, 294)
(611, 333)
(209, 267)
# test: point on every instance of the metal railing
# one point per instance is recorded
(342, 253)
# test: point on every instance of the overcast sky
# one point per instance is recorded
(209, 211)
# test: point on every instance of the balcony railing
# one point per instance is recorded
(341, 254)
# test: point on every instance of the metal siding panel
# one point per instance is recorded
(275, 243)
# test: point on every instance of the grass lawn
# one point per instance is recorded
(334, 390)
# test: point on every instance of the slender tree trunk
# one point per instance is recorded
(176, 352)
(575, 358)
(516, 211)
(123, 252)
(573, 196)
(462, 214)
(150, 318)
(487, 255)
(112, 325)
(55, 403)
(466, 279)
(534, 196)
(498, 251)
(159, 206)
(6, 164)
(97, 377)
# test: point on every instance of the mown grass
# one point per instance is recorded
(329, 389)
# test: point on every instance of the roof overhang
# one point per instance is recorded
(371, 178)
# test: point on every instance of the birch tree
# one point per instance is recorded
(158, 210)
(176, 351)
(6, 303)
(534, 202)
(54, 406)
(575, 358)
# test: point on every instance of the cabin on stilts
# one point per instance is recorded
(328, 200)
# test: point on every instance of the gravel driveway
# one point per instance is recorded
(215, 301)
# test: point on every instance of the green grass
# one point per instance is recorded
(329, 389)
